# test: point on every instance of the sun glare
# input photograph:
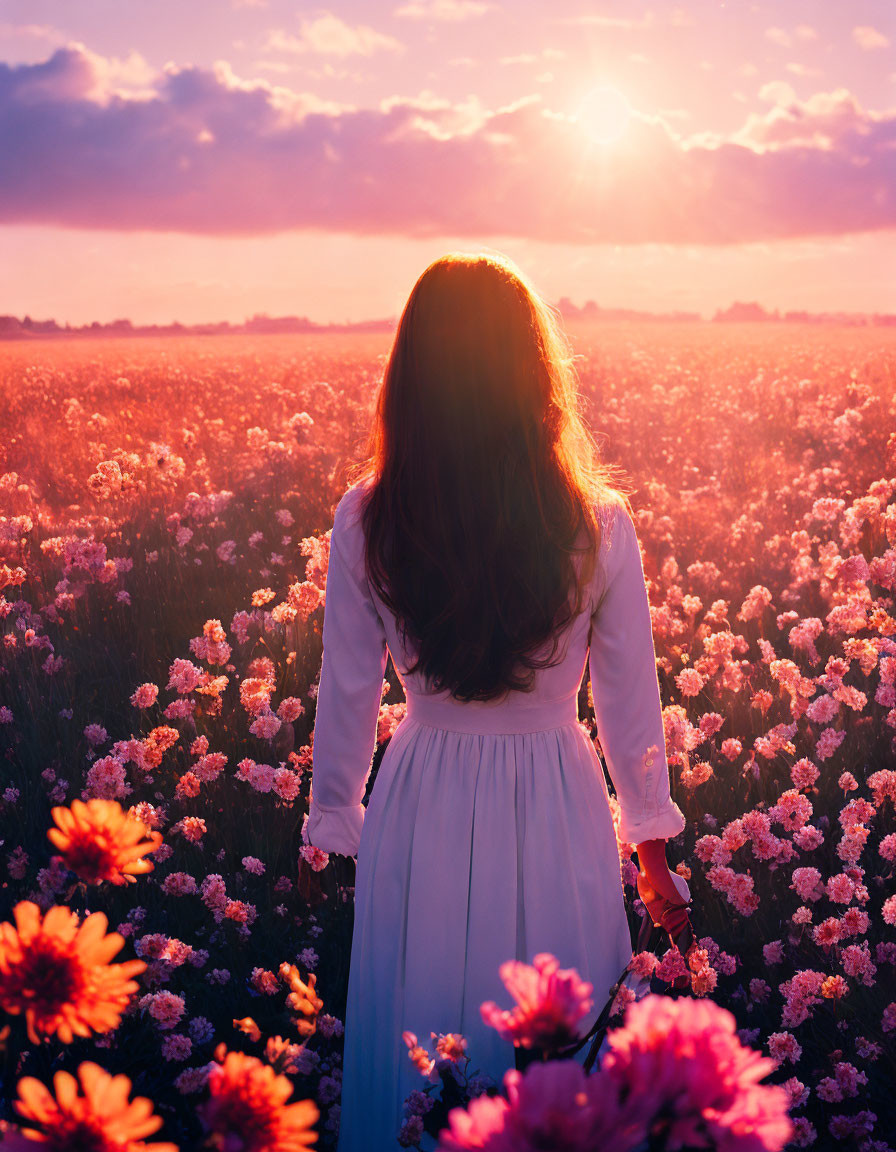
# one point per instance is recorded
(604, 114)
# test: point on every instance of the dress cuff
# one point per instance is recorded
(662, 825)
(335, 829)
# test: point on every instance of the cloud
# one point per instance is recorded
(9, 31)
(778, 36)
(674, 18)
(327, 35)
(869, 38)
(446, 10)
(211, 153)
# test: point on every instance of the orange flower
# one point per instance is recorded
(57, 972)
(102, 1120)
(263, 667)
(249, 1027)
(255, 694)
(248, 1108)
(157, 743)
(100, 841)
(303, 999)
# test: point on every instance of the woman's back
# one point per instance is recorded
(488, 834)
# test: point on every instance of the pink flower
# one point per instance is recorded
(290, 709)
(689, 682)
(286, 784)
(784, 1046)
(804, 773)
(823, 710)
(680, 734)
(840, 888)
(261, 777)
(188, 785)
(266, 725)
(410, 1132)
(389, 718)
(808, 837)
(551, 1105)
(807, 883)
(480, 1125)
(145, 696)
(828, 742)
(165, 1008)
(184, 676)
(683, 1067)
(106, 780)
(317, 858)
(96, 734)
(211, 646)
(177, 1047)
(209, 767)
(255, 694)
(758, 599)
(550, 1003)
(857, 962)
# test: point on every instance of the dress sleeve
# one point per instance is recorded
(622, 664)
(349, 692)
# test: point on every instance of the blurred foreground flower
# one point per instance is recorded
(675, 1075)
(56, 970)
(550, 1003)
(100, 841)
(553, 1105)
(100, 1120)
(248, 1110)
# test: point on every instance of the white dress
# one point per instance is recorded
(488, 833)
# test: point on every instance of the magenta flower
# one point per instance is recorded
(550, 1105)
(681, 1063)
(550, 1003)
(479, 1125)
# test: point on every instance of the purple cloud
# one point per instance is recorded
(199, 150)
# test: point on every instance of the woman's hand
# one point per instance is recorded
(655, 879)
(666, 897)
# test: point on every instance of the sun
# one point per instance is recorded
(604, 114)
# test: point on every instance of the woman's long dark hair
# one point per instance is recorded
(481, 475)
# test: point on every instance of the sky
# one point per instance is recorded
(213, 159)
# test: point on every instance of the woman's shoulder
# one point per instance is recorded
(349, 508)
(348, 531)
(614, 516)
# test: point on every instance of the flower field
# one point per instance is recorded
(165, 932)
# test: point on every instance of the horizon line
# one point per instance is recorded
(258, 322)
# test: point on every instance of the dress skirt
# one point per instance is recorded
(476, 848)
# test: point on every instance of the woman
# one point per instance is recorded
(485, 548)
